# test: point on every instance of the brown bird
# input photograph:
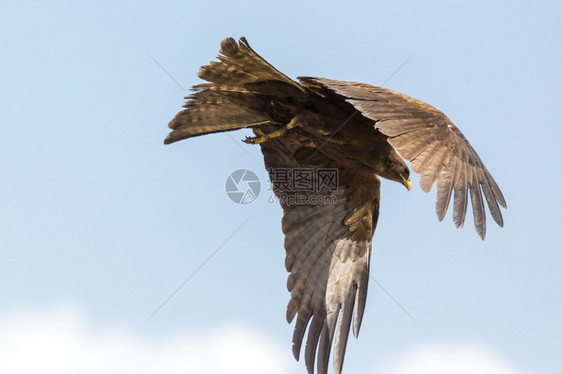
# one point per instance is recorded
(337, 138)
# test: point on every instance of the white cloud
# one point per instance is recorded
(443, 358)
(60, 341)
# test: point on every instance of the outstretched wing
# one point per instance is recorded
(437, 149)
(328, 242)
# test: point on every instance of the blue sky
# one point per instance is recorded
(101, 222)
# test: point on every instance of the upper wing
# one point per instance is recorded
(437, 149)
(328, 244)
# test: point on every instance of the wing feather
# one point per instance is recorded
(300, 328)
(405, 139)
(326, 338)
(445, 185)
(328, 251)
(344, 325)
(492, 203)
(393, 128)
(310, 280)
(495, 190)
(359, 307)
(414, 148)
(312, 341)
(424, 135)
(303, 245)
(433, 164)
(477, 205)
(305, 279)
(460, 199)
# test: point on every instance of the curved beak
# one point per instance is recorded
(406, 182)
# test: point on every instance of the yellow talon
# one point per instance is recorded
(263, 137)
(259, 132)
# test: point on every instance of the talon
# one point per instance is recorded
(259, 132)
(257, 139)
(249, 140)
(263, 137)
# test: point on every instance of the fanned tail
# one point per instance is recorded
(239, 94)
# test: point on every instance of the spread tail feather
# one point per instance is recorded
(240, 90)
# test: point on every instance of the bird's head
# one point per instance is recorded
(396, 169)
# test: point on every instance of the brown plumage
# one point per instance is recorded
(359, 130)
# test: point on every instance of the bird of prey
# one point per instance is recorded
(361, 131)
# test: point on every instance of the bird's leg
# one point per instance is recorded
(263, 137)
(259, 135)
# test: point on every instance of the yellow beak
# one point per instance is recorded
(406, 182)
